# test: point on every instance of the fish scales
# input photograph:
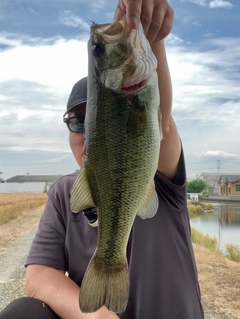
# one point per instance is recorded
(122, 142)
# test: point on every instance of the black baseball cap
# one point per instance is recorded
(78, 95)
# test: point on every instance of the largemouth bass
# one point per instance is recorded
(122, 144)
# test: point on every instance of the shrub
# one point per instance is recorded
(204, 240)
(233, 252)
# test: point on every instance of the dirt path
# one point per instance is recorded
(219, 277)
(219, 280)
(15, 239)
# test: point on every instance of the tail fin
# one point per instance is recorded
(104, 287)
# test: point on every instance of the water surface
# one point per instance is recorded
(223, 223)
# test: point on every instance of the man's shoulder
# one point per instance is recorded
(63, 184)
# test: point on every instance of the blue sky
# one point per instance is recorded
(43, 53)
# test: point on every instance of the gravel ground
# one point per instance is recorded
(209, 314)
(12, 270)
(12, 273)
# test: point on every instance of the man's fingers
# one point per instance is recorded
(146, 17)
(133, 12)
(167, 23)
(132, 9)
(155, 26)
(120, 12)
(161, 25)
(156, 16)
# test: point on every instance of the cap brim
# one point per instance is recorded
(83, 101)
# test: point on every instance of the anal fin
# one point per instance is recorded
(150, 206)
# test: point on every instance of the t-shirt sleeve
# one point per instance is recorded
(48, 247)
(172, 192)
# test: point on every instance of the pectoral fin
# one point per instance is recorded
(81, 197)
(160, 125)
(150, 206)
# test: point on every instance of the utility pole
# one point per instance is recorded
(218, 164)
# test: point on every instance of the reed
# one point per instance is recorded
(13, 204)
(233, 252)
(192, 209)
(199, 207)
(204, 240)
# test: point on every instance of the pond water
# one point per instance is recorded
(223, 223)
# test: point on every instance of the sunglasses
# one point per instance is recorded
(75, 124)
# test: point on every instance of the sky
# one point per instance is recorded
(43, 52)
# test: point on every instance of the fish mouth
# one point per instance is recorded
(134, 87)
(126, 60)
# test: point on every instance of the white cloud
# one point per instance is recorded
(190, 20)
(54, 62)
(32, 10)
(37, 75)
(220, 154)
(35, 80)
(198, 2)
(212, 3)
(69, 19)
(206, 95)
(173, 40)
(201, 76)
(207, 35)
(220, 4)
(98, 5)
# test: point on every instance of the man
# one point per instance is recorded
(162, 270)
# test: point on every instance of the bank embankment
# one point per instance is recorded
(219, 277)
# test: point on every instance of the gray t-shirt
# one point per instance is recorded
(162, 270)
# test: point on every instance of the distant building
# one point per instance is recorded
(230, 184)
(33, 178)
(210, 178)
(29, 183)
(212, 181)
(213, 191)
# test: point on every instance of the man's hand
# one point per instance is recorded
(60, 293)
(156, 16)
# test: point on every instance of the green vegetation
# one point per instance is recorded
(199, 208)
(233, 252)
(196, 186)
(196, 208)
(204, 240)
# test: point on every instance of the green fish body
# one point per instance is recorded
(122, 144)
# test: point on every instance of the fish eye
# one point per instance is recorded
(98, 50)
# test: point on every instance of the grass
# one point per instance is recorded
(13, 204)
(196, 208)
(233, 252)
(199, 207)
(204, 240)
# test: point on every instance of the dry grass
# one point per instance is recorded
(219, 280)
(13, 204)
(204, 240)
(19, 227)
